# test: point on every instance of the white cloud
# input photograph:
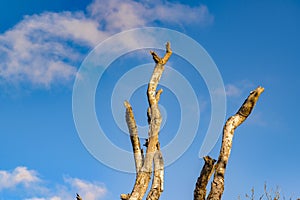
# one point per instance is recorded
(87, 190)
(39, 49)
(117, 15)
(37, 189)
(182, 14)
(124, 14)
(19, 176)
(46, 49)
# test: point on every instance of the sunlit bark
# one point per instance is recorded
(153, 154)
(217, 185)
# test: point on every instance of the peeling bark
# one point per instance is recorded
(202, 181)
(153, 153)
(217, 185)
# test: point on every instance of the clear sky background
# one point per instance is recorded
(42, 44)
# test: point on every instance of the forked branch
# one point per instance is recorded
(153, 153)
(202, 181)
(144, 164)
(217, 185)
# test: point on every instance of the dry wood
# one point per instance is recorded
(158, 176)
(153, 153)
(202, 181)
(135, 140)
(217, 185)
(144, 164)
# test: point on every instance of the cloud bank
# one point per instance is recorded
(19, 176)
(46, 49)
(26, 182)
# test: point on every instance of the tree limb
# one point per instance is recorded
(154, 119)
(202, 181)
(217, 186)
(135, 140)
(158, 177)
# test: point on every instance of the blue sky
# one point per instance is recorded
(42, 46)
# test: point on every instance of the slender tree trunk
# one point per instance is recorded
(202, 181)
(158, 176)
(217, 185)
(144, 165)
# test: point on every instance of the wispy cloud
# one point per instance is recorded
(120, 15)
(37, 189)
(236, 89)
(232, 90)
(258, 119)
(46, 49)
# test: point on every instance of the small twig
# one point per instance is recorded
(78, 197)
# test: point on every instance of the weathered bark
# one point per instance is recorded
(152, 153)
(217, 185)
(158, 176)
(135, 140)
(202, 181)
(144, 164)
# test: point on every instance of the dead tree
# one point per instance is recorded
(144, 164)
(153, 159)
(217, 185)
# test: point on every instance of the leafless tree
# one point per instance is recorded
(217, 185)
(152, 161)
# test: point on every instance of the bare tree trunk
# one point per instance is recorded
(144, 164)
(202, 181)
(217, 185)
(153, 154)
(158, 176)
